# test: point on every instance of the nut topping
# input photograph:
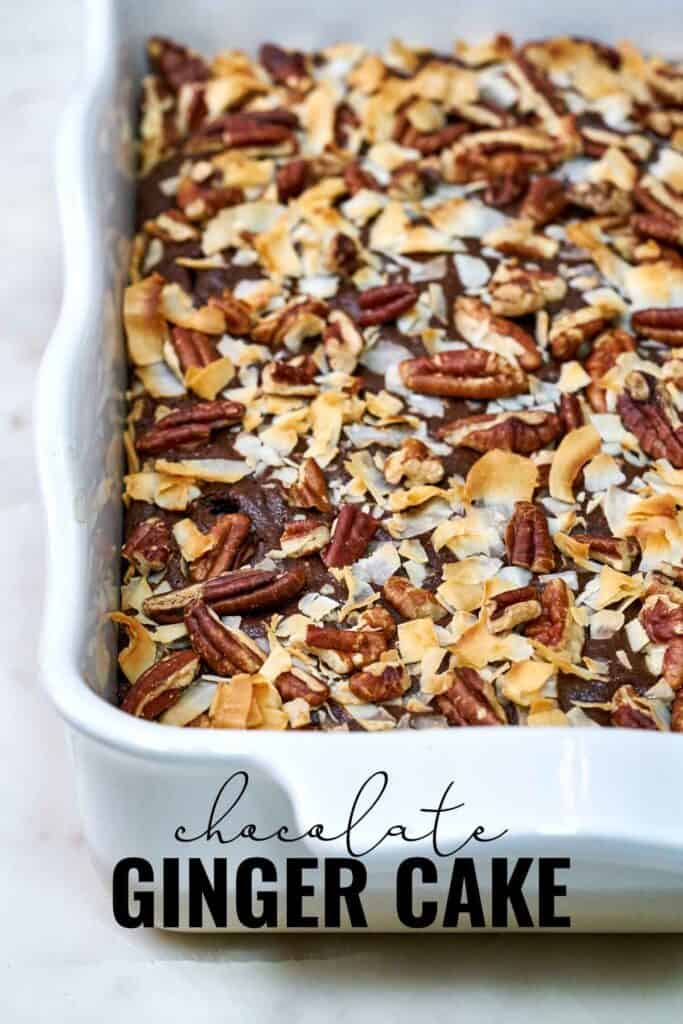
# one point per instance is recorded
(512, 608)
(351, 535)
(412, 602)
(379, 683)
(240, 592)
(613, 551)
(286, 67)
(665, 325)
(570, 330)
(191, 425)
(647, 411)
(310, 491)
(291, 179)
(231, 532)
(527, 539)
(193, 348)
(520, 432)
(544, 202)
(630, 711)
(225, 651)
(159, 687)
(672, 666)
(677, 713)
(471, 700)
(516, 291)
(346, 649)
(148, 546)
(464, 373)
(606, 350)
(380, 305)
(300, 685)
(415, 462)
(476, 323)
(557, 627)
(304, 537)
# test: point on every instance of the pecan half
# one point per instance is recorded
(159, 687)
(619, 553)
(310, 490)
(665, 228)
(428, 143)
(411, 601)
(601, 198)
(232, 593)
(414, 461)
(556, 627)
(464, 373)
(630, 711)
(527, 539)
(516, 291)
(379, 683)
(672, 665)
(475, 321)
(290, 378)
(664, 325)
(300, 685)
(571, 413)
(149, 545)
(352, 532)
(193, 348)
(520, 432)
(647, 411)
(545, 200)
(606, 350)
(512, 608)
(242, 130)
(224, 650)
(470, 700)
(304, 537)
(236, 312)
(291, 179)
(380, 305)
(569, 330)
(191, 425)
(286, 67)
(176, 64)
(346, 649)
(661, 618)
(356, 179)
(343, 257)
(231, 532)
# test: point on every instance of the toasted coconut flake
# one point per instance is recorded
(501, 477)
(193, 701)
(222, 471)
(477, 647)
(140, 651)
(146, 329)
(207, 381)
(167, 490)
(231, 703)
(177, 307)
(523, 682)
(573, 378)
(615, 168)
(617, 586)
(191, 541)
(416, 638)
(230, 224)
(575, 449)
(159, 381)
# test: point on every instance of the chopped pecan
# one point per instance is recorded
(516, 291)
(556, 627)
(241, 130)
(664, 228)
(616, 552)
(190, 425)
(291, 179)
(343, 342)
(415, 462)
(236, 312)
(171, 226)
(176, 64)
(193, 348)
(344, 257)
(379, 683)
(664, 325)
(286, 67)
(346, 649)
(521, 432)
(200, 201)
(571, 413)
(672, 665)
(428, 143)
(648, 412)
(310, 490)
(677, 713)
(475, 322)
(412, 602)
(356, 179)
(159, 687)
(569, 330)
(511, 608)
(304, 537)
(300, 685)
(630, 711)
(601, 198)
(352, 532)
(470, 700)
(545, 200)
(527, 539)
(290, 378)
(661, 618)
(225, 651)
(149, 545)
(378, 617)
(232, 593)
(380, 305)
(231, 532)
(606, 349)
(464, 373)
(293, 322)
(503, 188)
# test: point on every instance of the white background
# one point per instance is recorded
(63, 958)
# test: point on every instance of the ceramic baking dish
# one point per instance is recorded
(608, 799)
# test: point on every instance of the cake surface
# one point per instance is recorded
(404, 433)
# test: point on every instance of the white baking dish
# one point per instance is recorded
(609, 799)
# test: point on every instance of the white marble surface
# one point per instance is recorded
(62, 956)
